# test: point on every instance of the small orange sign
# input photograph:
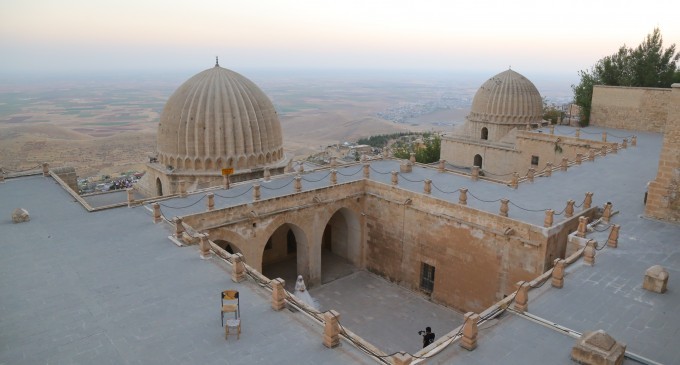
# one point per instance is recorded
(228, 171)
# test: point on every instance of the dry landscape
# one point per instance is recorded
(109, 127)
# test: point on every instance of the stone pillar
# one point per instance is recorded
(182, 189)
(613, 239)
(548, 169)
(402, 358)
(469, 340)
(367, 171)
(514, 183)
(522, 297)
(156, 212)
(569, 210)
(130, 196)
(413, 157)
(624, 145)
(504, 207)
(603, 150)
(578, 133)
(204, 246)
(179, 227)
(364, 157)
(334, 177)
(565, 164)
(331, 329)
(225, 181)
(406, 167)
(579, 158)
(267, 174)
(588, 201)
(297, 185)
(549, 218)
(334, 162)
(442, 166)
(598, 348)
(427, 189)
(656, 279)
(289, 166)
(256, 192)
(604, 136)
(633, 141)
(462, 198)
(46, 169)
(238, 268)
(552, 129)
(528, 127)
(531, 173)
(301, 169)
(615, 147)
(589, 253)
(210, 205)
(591, 154)
(582, 226)
(395, 178)
(558, 274)
(278, 294)
(607, 212)
(475, 173)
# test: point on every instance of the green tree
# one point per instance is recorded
(647, 65)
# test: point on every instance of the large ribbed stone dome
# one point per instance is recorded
(507, 98)
(218, 119)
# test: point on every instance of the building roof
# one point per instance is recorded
(507, 98)
(219, 114)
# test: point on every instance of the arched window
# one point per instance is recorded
(485, 133)
(478, 161)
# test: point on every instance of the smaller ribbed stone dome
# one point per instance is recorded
(217, 119)
(507, 98)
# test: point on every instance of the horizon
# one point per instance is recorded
(77, 36)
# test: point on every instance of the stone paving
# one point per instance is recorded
(109, 287)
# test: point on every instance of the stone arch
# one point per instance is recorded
(208, 164)
(252, 161)
(260, 159)
(285, 253)
(179, 164)
(219, 163)
(477, 161)
(228, 246)
(172, 162)
(159, 187)
(230, 162)
(268, 157)
(187, 163)
(198, 165)
(341, 238)
(485, 133)
(241, 164)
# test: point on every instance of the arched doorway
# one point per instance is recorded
(485, 133)
(478, 161)
(340, 245)
(285, 255)
(159, 187)
(228, 246)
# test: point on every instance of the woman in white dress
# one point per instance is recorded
(302, 294)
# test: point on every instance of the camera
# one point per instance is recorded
(421, 332)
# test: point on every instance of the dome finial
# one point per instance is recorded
(217, 61)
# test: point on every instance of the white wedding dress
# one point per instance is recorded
(302, 294)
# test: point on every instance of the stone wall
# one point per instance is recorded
(663, 201)
(68, 175)
(636, 108)
(478, 256)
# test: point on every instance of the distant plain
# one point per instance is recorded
(103, 124)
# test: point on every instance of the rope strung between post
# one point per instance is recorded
(379, 172)
(313, 181)
(19, 171)
(482, 200)
(280, 187)
(407, 179)
(358, 171)
(182, 207)
(235, 196)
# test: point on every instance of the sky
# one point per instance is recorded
(478, 35)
